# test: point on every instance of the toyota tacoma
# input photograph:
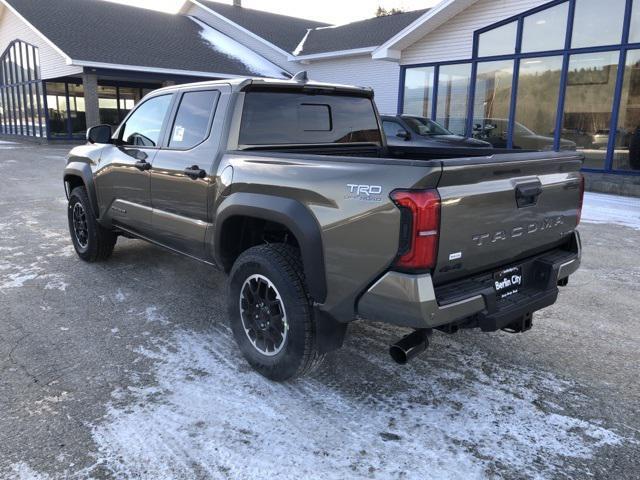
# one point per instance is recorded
(289, 187)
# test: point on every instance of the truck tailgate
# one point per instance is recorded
(499, 209)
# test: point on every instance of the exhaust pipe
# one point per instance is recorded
(410, 346)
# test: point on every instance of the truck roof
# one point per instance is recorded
(245, 83)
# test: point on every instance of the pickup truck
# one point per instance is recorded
(288, 186)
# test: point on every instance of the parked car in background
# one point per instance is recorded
(494, 131)
(600, 139)
(410, 130)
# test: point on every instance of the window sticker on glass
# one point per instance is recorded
(178, 133)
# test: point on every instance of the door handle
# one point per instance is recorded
(195, 172)
(142, 165)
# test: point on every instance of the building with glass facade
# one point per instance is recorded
(563, 75)
(69, 64)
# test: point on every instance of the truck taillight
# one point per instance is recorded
(581, 200)
(420, 225)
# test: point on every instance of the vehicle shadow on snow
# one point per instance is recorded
(454, 412)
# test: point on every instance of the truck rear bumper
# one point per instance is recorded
(413, 301)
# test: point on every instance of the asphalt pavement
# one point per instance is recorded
(127, 369)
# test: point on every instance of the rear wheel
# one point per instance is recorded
(271, 316)
(91, 240)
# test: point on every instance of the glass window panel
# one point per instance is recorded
(634, 31)
(391, 129)
(129, 97)
(267, 119)
(499, 41)
(545, 30)
(144, 126)
(492, 102)
(453, 97)
(192, 121)
(587, 109)
(24, 57)
(418, 90)
(77, 112)
(626, 154)
(57, 109)
(2, 111)
(597, 22)
(108, 105)
(537, 103)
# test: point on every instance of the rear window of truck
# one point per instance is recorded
(286, 118)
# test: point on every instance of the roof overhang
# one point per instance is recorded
(432, 19)
(140, 68)
(327, 55)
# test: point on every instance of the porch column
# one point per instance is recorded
(92, 110)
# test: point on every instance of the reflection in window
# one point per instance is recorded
(587, 109)
(537, 103)
(492, 101)
(144, 126)
(634, 32)
(192, 121)
(626, 154)
(77, 109)
(391, 129)
(545, 30)
(129, 97)
(597, 22)
(453, 94)
(108, 105)
(57, 109)
(418, 90)
(499, 41)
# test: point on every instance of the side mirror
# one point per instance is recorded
(403, 134)
(99, 134)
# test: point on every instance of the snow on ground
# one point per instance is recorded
(602, 208)
(209, 415)
(231, 48)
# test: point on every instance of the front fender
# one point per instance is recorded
(83, 171)
(293, 215)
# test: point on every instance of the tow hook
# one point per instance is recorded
(410, 346)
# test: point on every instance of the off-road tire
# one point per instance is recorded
(99, 241)
(281, 265)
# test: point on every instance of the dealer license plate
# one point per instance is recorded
(507, 282)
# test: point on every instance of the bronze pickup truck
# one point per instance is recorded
(289, 186)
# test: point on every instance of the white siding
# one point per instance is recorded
(257, 46)
(454, 39)
(380, 75)
(52, 63)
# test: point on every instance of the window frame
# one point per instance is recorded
(173, 116)
(622, 48)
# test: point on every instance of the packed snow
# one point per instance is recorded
(235, 50)
(603, 208)
(209, 415)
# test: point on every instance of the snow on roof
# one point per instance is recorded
(228, 46)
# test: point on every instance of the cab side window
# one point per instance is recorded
(191, 125)
(144, 126)
(391, 128)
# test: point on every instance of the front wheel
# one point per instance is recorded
(270, 312)
(91, 240)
